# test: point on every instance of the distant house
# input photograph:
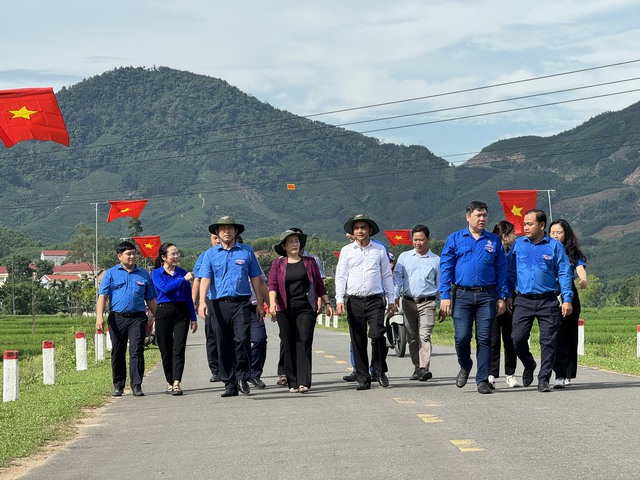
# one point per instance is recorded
(48, 280)
(55, 256)
(4, 274)
(81, 269)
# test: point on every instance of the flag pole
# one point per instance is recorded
(95, 262)
(549, 199)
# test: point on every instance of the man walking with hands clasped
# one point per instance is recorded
(363, 275)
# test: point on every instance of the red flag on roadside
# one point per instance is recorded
(125, 208)
(515, 204)
(337, 254)
(399, 237)
(291, 186)
(31, 114)
(148, 245)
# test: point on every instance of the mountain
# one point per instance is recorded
(198, 148)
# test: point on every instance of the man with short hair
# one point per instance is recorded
(473, 289)
(128, 290)
(226, 272)
(538, 269)
(211, 347)
(417, 278)
(364, 274)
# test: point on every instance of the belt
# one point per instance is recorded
(488, 288)
(537, 296)
(428, 298)
(239, 299)
(366, 297)
(131, 314)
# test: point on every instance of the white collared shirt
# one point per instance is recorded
(364, 271)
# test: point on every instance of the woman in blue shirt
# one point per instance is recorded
(566, 364)
(174, 313)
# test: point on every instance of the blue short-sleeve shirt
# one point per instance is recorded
(127, 291)
(229, 270)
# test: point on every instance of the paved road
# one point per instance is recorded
(409, 430)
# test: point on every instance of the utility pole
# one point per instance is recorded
(33, 302)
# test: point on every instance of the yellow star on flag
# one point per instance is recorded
(399, 237)
(148, 245)
(125, 210)
(517, 211)
(24, 112)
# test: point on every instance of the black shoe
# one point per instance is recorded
(461, 379)
(527, 376)
(230, 390)
(416, 374)
(366, 385)
(352, 377)
(215, 378)
(117, 392)
(543, 385)
(383, 380)
(258, 383)
(137, 391)
(243, 387)
(484, 387)
(425, 375)
(375, 377)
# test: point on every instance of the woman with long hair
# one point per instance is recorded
(294, 288)
(502, 323)
(566, 364)
(174, 315)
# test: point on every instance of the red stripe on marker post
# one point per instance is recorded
(48, 344)
(580, 336)
(10, 354)
(80, 335)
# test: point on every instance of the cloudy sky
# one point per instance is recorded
(318, 57)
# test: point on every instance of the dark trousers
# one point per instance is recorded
(258, 334)
(548, 313)
(231, 321)
(172, 328)
(363, 313)
(212, 348)
(281, 359)
(297, 325)
(566, 365)
(471, 307)
(502, 330)
(122, 330)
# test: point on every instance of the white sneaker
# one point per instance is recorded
(492, 381)
(567, 382)
(512, 382)
(560, 383)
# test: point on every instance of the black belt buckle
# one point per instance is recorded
(429, 298)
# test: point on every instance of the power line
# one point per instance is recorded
(297, 117)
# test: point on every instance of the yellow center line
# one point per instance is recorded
(341, 362)
(330, 356)
(403, 401)
(429, 418)
(467, 445)
(319, 351)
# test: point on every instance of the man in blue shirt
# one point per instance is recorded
(538, 269)
(473, 287)
(212, 349)
(226, 272)
(417, 278)
(128, 289)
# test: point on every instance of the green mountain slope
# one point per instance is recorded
(197, 148)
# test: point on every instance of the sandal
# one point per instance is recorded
(293, 390)
(176, 390)
(303, 389)
(282, 380)
(169, 390)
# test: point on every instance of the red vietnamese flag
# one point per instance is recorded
(515, 204)
(125, 208)
(399, 237)
(31, 114)
(337, 254)
(148, 245)
(291, 186)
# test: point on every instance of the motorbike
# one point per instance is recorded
(397, 332)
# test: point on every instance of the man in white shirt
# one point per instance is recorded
(364, 275)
